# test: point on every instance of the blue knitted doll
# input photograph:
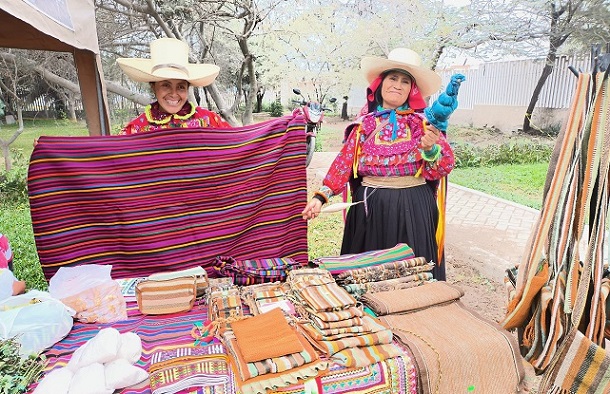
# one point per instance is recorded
(439, 112)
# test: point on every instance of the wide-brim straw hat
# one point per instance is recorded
(405, 59)
(168, 60)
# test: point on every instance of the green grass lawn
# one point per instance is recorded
(35, 128)
(521, 183)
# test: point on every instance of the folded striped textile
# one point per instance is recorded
(253, 271)
(183, 373)
(261, 376)
(366, 355)
(391, 270)
(333, 316)
(393, 375)
(411, 299)
(273, 365)
(359, 289)
(452, 360)
(170, 200)
(321, 294)
(164, 358)
(336, 265)
(323, 325)
(264, 336)
(261, 297)
(374, 334)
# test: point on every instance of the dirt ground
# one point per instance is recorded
(485, 295)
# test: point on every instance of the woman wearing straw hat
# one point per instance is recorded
(389, 155)
(170, 74)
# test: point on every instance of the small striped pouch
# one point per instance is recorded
(158, 297)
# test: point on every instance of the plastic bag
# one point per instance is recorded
(91, 292)
(36, 319)
(69, 281)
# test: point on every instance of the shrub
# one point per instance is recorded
(275, 109)
(13, 183)
(467, 155)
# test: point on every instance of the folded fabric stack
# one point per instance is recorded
(267, 353)
(266, 296)
(224, 305)
(335, 324)
(338, 264)
(432, 322)
(179, 369)
(394, 275)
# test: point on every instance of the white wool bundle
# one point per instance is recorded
(89, 380)
(130, 347)
(102, 348)
(120, 373)
(55, 382)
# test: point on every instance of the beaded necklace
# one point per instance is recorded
(155, 115)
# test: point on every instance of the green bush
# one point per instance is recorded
(467, 155)
(275, 109)
(13, 184)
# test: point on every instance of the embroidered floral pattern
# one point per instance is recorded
(380, 155)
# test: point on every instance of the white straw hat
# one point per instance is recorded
(405, 59)
(168, 60)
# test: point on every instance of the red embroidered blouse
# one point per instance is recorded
(154, 118)
(386, 153)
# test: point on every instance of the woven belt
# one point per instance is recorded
(393, 182)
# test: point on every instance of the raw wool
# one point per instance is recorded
(55, 382)
(130, 347)
(101, 365)
(121, 373)
(89, 380)
(102, 348)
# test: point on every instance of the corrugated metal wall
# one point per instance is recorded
(511, 83)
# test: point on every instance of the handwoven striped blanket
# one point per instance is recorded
(171, 199)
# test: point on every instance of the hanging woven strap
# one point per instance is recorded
(531, 276)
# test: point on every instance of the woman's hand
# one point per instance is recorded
(430, 137)
(312, 209)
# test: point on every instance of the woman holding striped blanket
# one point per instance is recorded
(389, 156)
(170, 74)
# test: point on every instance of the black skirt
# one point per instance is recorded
(388, 217)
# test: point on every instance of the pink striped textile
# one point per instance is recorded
(170, 199)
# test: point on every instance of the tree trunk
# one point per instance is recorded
(6, 144)
(72, 108)
(220, 103)
(7, 158)
(546, 71)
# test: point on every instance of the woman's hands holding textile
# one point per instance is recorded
(430, 137)
(312, 210)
